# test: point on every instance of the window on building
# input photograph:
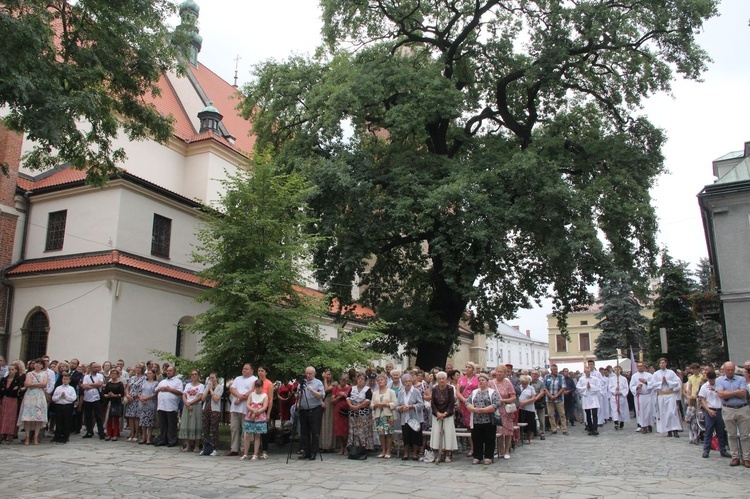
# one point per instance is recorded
(520, 357)
(527, 358)
(56, 230)
(500, 355)
(584, 323)
(179, 347)
(37, 332)
(584, 342)
(160, 236)
(562, 345)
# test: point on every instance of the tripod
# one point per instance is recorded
(301, 392)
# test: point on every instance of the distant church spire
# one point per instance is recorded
(236, 67)
(189, 11)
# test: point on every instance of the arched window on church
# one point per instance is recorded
(37, 333)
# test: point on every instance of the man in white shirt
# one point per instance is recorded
(644, 399)
(241, 388)
(169, 393)
(664, 382)
(92, 408)
(711, 404)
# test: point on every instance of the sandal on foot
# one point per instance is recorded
(254, 458)
(380, 455)
(475, 461)
(447, 460)
(488, 461)
(264, 456)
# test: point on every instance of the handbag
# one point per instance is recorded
(344, 412)
(428, 457)
(115, 410)
(497, 419)
(413, 424)
(357, 452)
(510, 408)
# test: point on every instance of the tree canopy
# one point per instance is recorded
(672, 311)
(75, 73)
(620, 319)
(255, 253)
(477, 155)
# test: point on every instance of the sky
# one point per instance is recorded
(702, 120)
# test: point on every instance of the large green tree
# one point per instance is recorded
(477, 154)
(255, 251)
(620, 318)
(707, 307)
(75, 73)
(672, 311)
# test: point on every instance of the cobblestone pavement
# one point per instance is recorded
(616, 463)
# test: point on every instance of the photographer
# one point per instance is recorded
(310, 399)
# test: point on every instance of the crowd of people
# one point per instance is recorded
(432, 414)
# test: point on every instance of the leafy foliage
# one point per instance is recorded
(706, 306)
(474, 154)
(672, 311)
(620, 319)
(73, 73)
(255, 252)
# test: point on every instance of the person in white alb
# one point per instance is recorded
(618, 398)
(644, 399)
(667, 386)
(602, 394)
(589, 387)
(63, 397)
(710, 401)
(241, 388)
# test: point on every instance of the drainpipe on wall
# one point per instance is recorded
(11, 290)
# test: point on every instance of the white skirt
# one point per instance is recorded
(449, 443)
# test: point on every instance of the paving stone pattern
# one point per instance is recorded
(614, 464)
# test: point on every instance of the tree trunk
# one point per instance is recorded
(431, 355)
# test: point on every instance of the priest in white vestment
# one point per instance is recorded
(644, 399)
(667, 386)
(618, 398)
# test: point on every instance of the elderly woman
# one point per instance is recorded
(132, 391)
(112, 393)
(327, 442)
(507, 395)
(409, 408)
(33, 414)
(341, 411)
(527, 412)
(443, 403)
(482, 404)
(191, 428)
(383, 406)
(147, 405)
(466, 384)
(211, 413)
(360, 419)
